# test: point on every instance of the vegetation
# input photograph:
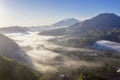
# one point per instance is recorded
(112, 35)
(89, 38)
(102, 73)
(107, 71)
(12, 70)
(54, 32)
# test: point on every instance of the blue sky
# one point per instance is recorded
(43, 12)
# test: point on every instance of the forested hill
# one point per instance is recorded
(12, 70)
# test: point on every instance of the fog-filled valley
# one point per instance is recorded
(45, 58)
(67, 50)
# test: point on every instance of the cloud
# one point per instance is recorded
(43, 59)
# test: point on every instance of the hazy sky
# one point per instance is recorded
(43, 12)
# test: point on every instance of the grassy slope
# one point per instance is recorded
(11, 70)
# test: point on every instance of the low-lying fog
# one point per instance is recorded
(42, 55)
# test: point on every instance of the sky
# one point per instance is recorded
(45, 12)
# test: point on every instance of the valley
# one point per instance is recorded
(59, 40)
(47, 56)
(54, 52)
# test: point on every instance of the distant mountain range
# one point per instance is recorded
(60, 24)
(14, 29)
(66, 22)
(103, 26)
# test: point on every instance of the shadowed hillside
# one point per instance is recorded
(10, 49)
(12, 70)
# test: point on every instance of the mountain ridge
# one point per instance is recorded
(105, 26)
(102, 22)
(66, 22)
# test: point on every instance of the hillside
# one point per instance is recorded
(10, 49)
(54, 32)
(14, 29)
(104, 26)
(102, 22)
(12, 70)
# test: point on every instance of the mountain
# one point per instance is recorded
(105, 26)
(14, 29)
(60, 27)
(60, 24)
(10, 49)
(101, 22)
(66, 22)
(12, 70)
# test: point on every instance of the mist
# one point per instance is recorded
(44, 59)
